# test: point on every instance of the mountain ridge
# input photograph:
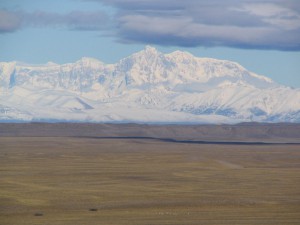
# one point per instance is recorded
(146, 87)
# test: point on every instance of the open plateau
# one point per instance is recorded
(127, 174)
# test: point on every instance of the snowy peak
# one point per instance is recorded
(147, 86)
(148, 66)
(146, 56)
(51, 64)
(152, 66)
(180, 56)
(151, 50)
(86, 61)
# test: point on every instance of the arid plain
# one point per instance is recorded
(77, 174)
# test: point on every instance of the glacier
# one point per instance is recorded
(146, 87)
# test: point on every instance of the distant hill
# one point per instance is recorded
(246, 132)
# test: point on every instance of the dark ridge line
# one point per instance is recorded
(190, 141)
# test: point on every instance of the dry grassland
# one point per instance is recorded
(88, 181)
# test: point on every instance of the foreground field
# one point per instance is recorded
(86, 181)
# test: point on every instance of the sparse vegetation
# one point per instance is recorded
(74, 181)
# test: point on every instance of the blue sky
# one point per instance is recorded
(261, 35)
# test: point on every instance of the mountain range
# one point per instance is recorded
(146, 87)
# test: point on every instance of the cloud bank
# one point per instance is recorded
(257, 24)
(76, 20)
(253, 24)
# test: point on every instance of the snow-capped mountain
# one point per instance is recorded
(148, 86)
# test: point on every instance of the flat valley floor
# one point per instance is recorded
(89, 181)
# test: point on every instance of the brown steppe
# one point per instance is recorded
(82, 180)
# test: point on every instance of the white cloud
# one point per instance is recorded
(273, 14)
